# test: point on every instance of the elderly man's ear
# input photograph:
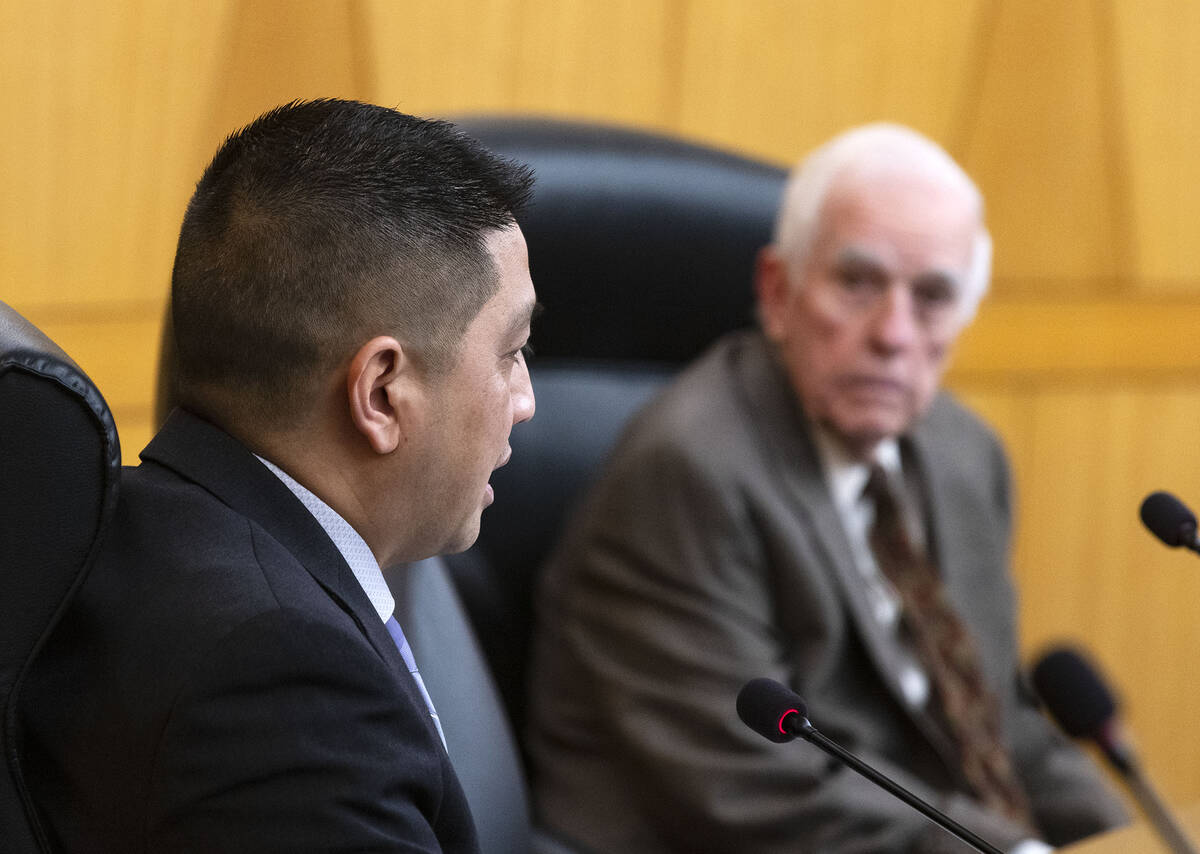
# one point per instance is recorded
(384, 390)
(771, 288)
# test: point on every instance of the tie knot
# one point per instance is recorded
(878, 488)
(890, 529)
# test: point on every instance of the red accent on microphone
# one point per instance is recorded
(783, 717)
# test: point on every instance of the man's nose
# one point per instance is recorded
(524, 404)
(894, 324)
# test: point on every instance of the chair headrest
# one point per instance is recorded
(632, 233)
(61, 462)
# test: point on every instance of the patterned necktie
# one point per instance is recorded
(411, 663)
(947, 652)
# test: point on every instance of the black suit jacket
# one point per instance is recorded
(224, 684)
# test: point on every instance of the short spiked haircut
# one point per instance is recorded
(319, 226)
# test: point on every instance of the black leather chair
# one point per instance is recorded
(642, 251)
(60, 463)
(478, 736)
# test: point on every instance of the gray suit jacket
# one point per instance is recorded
(710, 553)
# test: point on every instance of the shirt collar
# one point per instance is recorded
(353, 547)
(847, 476)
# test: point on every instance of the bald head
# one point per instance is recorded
(878, 154)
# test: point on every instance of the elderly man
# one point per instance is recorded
(802, 503)
(351, 295)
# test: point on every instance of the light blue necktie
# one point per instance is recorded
(411, 663)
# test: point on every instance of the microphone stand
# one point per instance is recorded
(1152, 805)
(809, 733)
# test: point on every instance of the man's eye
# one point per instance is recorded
(525, 352)
(855, 279)
(935, 295)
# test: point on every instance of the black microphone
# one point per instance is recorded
(777, 713)
(1170, 520)
(1084, 707)
(771, 708)
(1082, 704)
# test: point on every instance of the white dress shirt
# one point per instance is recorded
(846, 478)
(353, 548)
(362, 563)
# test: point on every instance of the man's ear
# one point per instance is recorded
(382, 385)
(771, 288)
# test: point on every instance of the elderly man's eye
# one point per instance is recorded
(858, 278)
(935, 294)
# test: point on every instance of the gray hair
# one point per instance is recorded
(876, 149)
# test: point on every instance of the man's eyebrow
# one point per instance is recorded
(856, 255)
(524, 317)
(939, 277)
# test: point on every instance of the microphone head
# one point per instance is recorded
(765, 706)
(1169, 519)
(1074, 694)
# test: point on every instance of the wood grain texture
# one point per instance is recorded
(1079, 120)
(1042, 147)
(98, 154)
(777, 78)
(1086, 340)
(1158, 84)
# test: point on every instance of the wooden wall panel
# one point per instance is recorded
(1085, 457)
(591, 59)
(1043, 145)
(1158, 77)
(1052, 340)
(97, 160)
(1078, 119)
(275, 51)
(778, 77)
(97, 120)
(613, 61)
(444, 57)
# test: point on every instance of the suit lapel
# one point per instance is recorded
(211, 458)
(966, 538)
(784, 431)
(927, 467)
(937, 498)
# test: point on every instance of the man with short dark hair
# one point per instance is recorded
(351, 297)
(803, 504)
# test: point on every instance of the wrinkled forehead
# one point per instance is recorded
(905, 223)
(865, 263)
